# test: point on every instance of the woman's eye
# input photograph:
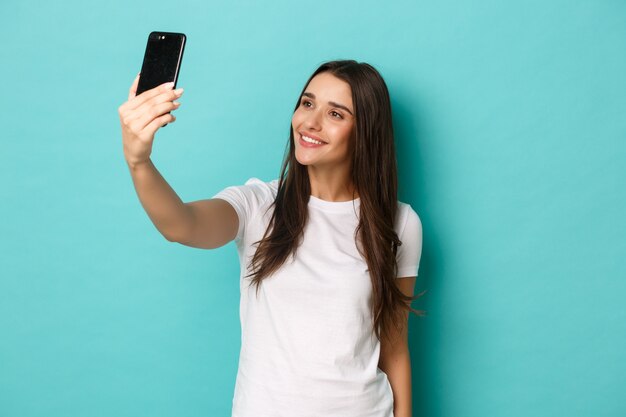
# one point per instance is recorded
(307, 103)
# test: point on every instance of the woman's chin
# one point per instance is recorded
(303, 161)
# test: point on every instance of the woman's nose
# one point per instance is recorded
(313, 119)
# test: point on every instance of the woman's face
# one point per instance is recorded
(325, 114)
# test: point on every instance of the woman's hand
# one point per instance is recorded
(141, 116)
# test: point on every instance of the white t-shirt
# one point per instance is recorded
(307, 346)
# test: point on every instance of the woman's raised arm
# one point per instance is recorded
(204, 224)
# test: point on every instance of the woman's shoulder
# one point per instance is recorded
(259, 192)
(253, 193)
(267, 189)
(407, 218)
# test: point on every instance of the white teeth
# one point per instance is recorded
(308, 139)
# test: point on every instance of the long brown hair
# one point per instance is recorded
(374, 176)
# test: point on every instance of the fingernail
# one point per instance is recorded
(169, 85)
(179, 91)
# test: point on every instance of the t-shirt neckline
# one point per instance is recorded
(336, 206)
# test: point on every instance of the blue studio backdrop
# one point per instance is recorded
(511, 133)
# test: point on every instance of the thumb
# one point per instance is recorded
(133, 88)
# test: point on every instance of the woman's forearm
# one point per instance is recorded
(166, 210)
(397, 366)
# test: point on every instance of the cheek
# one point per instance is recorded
(344, 133)
(296, 119)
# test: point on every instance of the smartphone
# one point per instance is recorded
(162, 59)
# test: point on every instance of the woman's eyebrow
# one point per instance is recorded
(332, 103)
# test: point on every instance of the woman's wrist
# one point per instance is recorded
(134, 165)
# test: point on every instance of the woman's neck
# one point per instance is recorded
(332, 185)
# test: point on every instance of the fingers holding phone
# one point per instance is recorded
(154, 102)
(141, 116)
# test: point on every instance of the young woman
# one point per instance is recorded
(329, 257)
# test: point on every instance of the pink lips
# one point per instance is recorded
(308, 144)
(310, 135)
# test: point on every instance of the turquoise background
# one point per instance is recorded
(511, 133)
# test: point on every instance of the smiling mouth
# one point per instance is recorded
(311, 140)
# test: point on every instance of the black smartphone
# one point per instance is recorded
(162, 59)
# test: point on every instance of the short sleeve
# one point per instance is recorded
(410, 252)
(247, 200)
